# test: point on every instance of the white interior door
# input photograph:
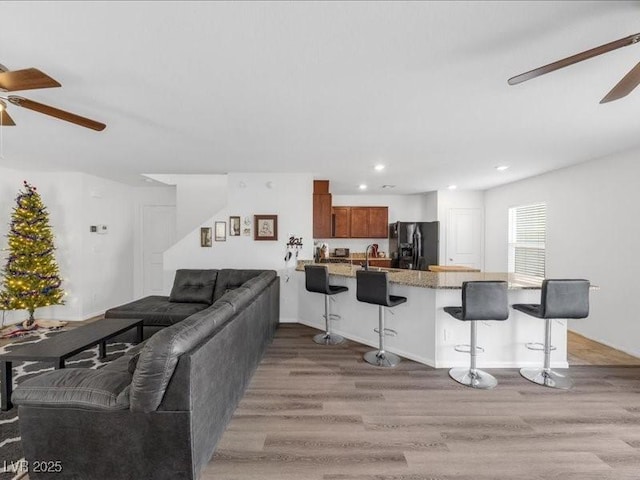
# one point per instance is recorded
(464, 237)
(158, 234)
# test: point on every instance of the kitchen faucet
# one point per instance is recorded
(366, 257)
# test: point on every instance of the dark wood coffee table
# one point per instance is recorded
(57, 349)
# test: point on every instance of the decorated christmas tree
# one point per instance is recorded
(30, 277)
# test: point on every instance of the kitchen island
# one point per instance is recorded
(426, 333)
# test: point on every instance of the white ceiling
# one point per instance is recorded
(331, 88)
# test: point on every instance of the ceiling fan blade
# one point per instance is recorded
(5, 119)
(56, 112)
(579, 57)
(27, 79)
(625, 86)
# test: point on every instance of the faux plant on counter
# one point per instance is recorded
(30, 278)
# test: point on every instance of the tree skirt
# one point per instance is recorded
(21, 329)
(10, 446)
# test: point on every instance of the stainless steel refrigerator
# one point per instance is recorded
(414, 245)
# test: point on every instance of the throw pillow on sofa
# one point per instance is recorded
(193, 286)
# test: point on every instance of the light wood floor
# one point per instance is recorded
(582, 351)
(319, 413)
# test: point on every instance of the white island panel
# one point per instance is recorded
(426, 333)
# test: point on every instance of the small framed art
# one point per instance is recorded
(265, 227)
(205, 237)
(234, 226)
(221, 231)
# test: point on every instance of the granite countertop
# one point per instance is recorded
(437, 280)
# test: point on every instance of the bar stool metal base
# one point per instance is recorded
(474, 379)
(547, 378)
(328, 339)
(382, 359)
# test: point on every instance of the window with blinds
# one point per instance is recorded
(527, 232)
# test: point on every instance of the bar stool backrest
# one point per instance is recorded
(316, 278)
(485, 300)
(372, 287)
(565, 298)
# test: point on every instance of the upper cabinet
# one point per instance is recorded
(378, 222)
(359, 222)
(369, 222)
(321, 209)
(346, 222)
(341, 222)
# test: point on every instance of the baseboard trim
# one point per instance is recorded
(288, 320)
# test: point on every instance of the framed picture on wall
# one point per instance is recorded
(205, 237)
(265, 227)
(221, 231)
(246, 226)
(234, 226)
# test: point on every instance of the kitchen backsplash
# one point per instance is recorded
(355, 244)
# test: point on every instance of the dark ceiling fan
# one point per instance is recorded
(624, 87)
(31, 79)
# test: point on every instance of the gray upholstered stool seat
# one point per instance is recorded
(317, 281)
(373, 287)
(481, 300)
(558, 299)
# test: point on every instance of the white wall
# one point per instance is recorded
(197, 198)
(96, 269)
(287, 195)
(593, 232)
(106, 263)
(430, 206)
(402, 208)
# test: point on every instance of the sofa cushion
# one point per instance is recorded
(122, 364)
(230, 279)
(193, 286)
(76, 387)
(261, 281)
(161, 352)
(156, 310)
(240, 297)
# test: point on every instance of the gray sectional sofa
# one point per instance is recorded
(157, 412)
(192, 292)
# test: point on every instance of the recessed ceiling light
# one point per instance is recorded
(452, 187)
(502, 168)
(379, 167)
(362, 186)
(388, 186)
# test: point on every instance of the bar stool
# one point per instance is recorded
(558, 299)
(481, 300)
(317, 281)
(373, 287)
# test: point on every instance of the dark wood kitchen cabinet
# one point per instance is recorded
(378, 222)
(359, 222)
(344, 221)
(322, 215)
(369, 222)
(341, 222)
